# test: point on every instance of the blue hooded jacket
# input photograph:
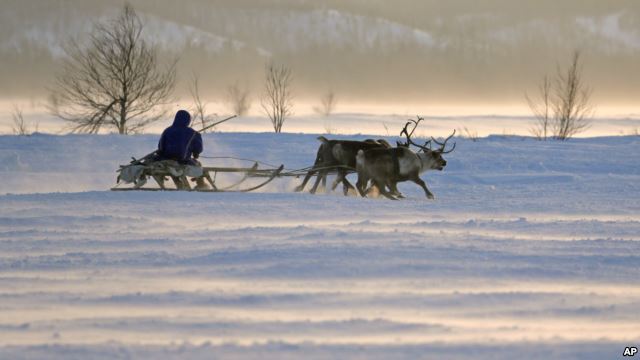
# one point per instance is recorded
(179, 142)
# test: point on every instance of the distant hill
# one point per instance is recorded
(491, 50)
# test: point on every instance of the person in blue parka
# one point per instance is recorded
(179, 142)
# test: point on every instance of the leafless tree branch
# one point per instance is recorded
(470, 134)
(20, 127)
(238, 99)
(199, 112)
(541, 109)
(277, 102)
(327, 104)
(572, 108)
(563, 107)
(114, 81)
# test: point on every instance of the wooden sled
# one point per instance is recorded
(137, 173)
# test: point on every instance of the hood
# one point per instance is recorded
(182, 119)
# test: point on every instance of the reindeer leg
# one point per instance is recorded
(384, 191)
(361, 184)
(337, 180)
(393, 186)
(346, 185)
(314, 169)
(306, 179)
(420, 182)
(321, 174)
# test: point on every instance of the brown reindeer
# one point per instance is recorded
(339, 156)
(386, 167)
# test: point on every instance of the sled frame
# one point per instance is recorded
(209, 175)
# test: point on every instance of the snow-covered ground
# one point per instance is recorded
(531, 250)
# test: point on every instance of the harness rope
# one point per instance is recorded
(288, 172)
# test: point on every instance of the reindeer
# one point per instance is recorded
(338, 155)
(386, 167)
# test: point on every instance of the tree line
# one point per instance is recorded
(117, 82)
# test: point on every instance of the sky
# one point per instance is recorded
(440, 57)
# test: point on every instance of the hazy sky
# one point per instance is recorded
(464, 52)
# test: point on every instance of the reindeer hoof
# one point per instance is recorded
(430, 197)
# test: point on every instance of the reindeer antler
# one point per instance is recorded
(408, 134)
(444, 144)
(415, 126)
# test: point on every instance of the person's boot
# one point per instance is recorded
(201, 184)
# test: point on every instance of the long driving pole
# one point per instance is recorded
(215, 123)
(203, 129)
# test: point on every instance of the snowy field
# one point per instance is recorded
(531, 250)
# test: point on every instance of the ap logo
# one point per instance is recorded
(630, 351)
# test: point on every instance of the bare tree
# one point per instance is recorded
(564, 106)
(238, 99)
(20, 126)
(199, 112)
(386, 128)
(114, 80)
(327, 104)
(329, 129)
(572, 108)
(469, 134)
(541, 109)
(277, 102)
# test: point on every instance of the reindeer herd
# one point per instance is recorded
(377, 163)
